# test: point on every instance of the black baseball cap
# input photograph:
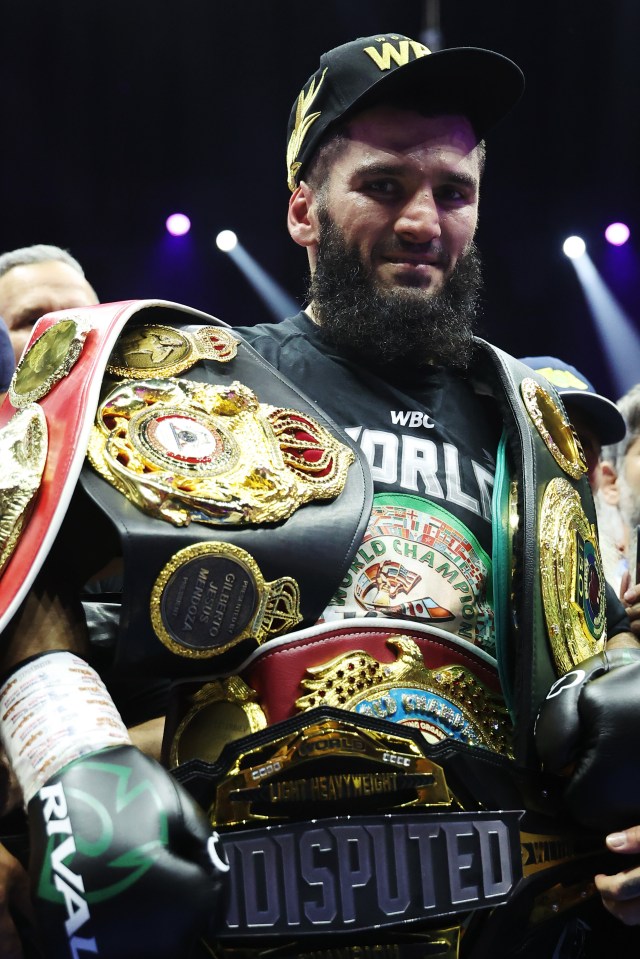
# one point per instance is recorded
(477, 83)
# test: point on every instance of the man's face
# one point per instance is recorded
(395, 273)
(27, 292)
(629, 484)
(404, 194)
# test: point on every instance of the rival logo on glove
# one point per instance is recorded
(67, 882)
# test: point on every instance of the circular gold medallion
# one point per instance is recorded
(211, 596)
(556, 431)
(173, 438)
(572, 577)
(205, 599)
(48, 360)
(222, 711)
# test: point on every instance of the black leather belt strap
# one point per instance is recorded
(531, 663)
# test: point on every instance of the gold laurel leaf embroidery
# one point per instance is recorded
(303, 124)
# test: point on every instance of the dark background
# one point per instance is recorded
(116, 113)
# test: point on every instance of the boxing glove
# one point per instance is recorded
(123, 863)
(587, 732)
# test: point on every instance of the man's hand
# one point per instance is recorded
(586, 733)
(123, 863)
(621, 892)
(624, 641)
(14, 897)
(630, 596)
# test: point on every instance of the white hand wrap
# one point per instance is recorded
(53, 710)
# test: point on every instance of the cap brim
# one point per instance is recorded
(607, 420)
(479, 84)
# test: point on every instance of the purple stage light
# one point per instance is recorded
(178, 224)
(617, 234)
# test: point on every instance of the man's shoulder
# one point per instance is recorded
(492, 357)
(280, 332)
(276, 340)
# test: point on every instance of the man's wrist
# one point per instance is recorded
(623, 641)
(54, 709)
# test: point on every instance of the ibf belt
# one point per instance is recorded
(44, 427)
(409, 674)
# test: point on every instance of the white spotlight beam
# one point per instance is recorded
(279, 302)
(618, 335)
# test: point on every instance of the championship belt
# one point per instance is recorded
(45, 421)
(546, 560)
(220, 480)
(201, 456)
(361, 780)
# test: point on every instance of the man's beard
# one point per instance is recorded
(405, 323)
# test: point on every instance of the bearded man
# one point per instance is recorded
(385, 157)
(372, 561)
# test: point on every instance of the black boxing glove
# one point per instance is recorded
(123, 863)
(587, 731)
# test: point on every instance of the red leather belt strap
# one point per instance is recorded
(275, 671)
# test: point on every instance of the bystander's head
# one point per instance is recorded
(35, 280)
(596, 419)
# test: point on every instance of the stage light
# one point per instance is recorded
(616, 330)
(277, 300)
(573, 247)
(178, 224)
(226, 241)
(617, 234)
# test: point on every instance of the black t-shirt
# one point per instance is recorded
(430, 439)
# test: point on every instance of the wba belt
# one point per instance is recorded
(201, 456)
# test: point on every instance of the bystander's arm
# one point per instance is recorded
(630, 596)
(14, 899)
